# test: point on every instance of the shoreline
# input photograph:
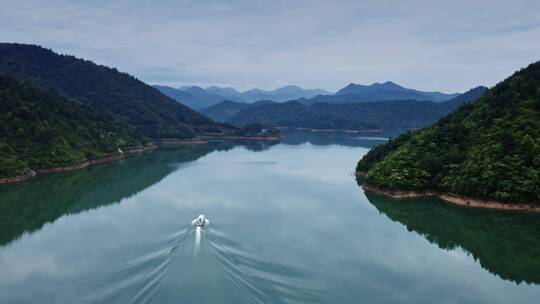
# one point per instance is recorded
(460, 200)
(74, 167)
(204, 139)
(126, 151)
(139, 149)
(314, 130)
(254, 138)
(172, 141)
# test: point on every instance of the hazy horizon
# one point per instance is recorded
(182, 87)
(447, 46)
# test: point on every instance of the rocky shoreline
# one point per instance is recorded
(453, 199)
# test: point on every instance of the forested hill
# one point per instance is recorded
(42, 129)
(388, 115)
(224, 110)
(127, 99)
(489, 149)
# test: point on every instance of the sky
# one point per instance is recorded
(447, 46)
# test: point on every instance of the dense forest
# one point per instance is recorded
(125, 98)
(387, 115)
(488, 149)
(224, 110)
(43, 129)
(58, 110)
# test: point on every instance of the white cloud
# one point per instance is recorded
(435, 45)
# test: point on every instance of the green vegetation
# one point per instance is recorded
(126, 99)
(224, 110)
(378, 153)
(489, 149)
(43, 129)
(382, 115)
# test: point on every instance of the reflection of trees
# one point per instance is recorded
(297, 137)
(254, 146)
(28, 206)
(506, 244)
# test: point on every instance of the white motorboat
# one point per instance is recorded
(200, 221)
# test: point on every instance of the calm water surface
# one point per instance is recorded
(288, 224)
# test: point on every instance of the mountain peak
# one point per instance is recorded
(194, 87)
(289, 89)
(227, 91)
(389, 90)
(387, 85)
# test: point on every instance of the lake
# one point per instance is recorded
(288, 224)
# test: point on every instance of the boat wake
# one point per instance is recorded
(252, 280)
(140, 279)
(201, 265)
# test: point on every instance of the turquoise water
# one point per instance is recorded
(288, 224)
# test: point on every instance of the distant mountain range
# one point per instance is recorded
(282, 94)
(386, 114)
(199, 98)
(390, 91)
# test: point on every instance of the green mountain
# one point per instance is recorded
(489, 149)
(387, 115)
(389, 91)
(224, 110)
(43, 129)
(127, 99)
